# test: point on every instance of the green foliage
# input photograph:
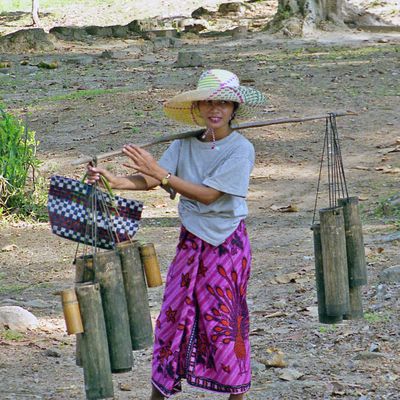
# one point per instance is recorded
(18, 163)
(327, 329)
(375, 318)
(388, 209)
(11, 335)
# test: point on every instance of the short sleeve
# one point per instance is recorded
(232, 176)
(169, 160)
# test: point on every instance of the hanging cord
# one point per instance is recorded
(340, 167)
(337, 186)
(325, 146)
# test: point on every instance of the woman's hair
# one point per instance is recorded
(235, 107)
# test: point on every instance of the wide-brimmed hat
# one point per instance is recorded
(214, 84)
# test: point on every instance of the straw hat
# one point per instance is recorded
(214, 84)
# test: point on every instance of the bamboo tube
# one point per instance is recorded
(107, 270)
(150, 265)
(84, 269)
(94, 347)
(136, 295)
(336, 279)
(83, 273)
(72, 314)
(319, 279)
(356, 307)
(354, 242)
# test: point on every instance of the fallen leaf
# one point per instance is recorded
(286, 278)
(274, 358)
(290, 375)
(10, 247)
(125, 387)
(289, 208)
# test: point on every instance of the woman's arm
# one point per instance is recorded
(143, 162)
(130, 182)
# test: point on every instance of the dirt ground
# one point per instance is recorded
(92, 104)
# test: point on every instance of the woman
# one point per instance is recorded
(202, 332)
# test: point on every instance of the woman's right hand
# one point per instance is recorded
(94, 173)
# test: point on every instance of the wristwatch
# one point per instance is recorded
(165, 180)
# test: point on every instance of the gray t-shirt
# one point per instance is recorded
(227, 168)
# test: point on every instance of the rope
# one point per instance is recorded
(331, 153)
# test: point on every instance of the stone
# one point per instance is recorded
(69, 33)
(390, 275)
(368, 355)
(161, 43)
(240, 32)
(193, 25)
(26, 40)
(38, 303)
(189, 59)
(120, 31)
(232, 8)
(17, 318)
(256, 366)
(290, 374)
(202, 12)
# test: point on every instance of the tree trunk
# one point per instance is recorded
(35, 12)
(299, 17)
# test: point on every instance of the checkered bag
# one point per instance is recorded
(73, 205)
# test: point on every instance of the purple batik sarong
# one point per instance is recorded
(202, 332)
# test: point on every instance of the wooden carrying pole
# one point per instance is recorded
(107, 271)
(256, 124)
(136, 295)
(94, 347)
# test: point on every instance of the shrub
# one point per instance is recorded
(18, 162)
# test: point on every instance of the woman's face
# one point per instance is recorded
(216, 113)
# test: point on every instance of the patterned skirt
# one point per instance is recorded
(202, 332)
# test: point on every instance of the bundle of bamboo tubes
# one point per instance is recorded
(340, 267)
(108, 310)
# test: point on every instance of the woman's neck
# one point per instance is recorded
(219, 133)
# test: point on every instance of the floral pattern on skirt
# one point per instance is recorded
(202, 332)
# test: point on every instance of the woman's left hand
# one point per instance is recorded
(141, 160)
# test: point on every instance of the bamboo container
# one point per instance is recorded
(84, 269)
(150, 265)
(94, 347)
(319, 279)
(107, 271)
(136, 295)
(84, 272)
(334, 260)
(72, 314)
(356, 307)
(354, 242)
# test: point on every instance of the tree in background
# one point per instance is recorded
(298, 17)
(35, 12)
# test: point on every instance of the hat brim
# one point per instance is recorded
(180, 107)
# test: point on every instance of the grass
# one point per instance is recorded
(85, 93)
(12, 288)
(375, 318)
(327, 329)
(26, 5)
(11, 335)
(327, 53)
